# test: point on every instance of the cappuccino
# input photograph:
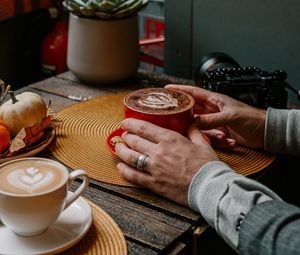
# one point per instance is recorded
(31, 177)
(159, 101)
(34, 192)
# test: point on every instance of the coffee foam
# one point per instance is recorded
(31, 177)
(158, 100)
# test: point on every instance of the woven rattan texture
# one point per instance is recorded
(80, 141)
(104, 237)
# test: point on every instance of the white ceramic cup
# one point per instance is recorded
(34, 192)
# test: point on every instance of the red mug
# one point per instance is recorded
(171, 109)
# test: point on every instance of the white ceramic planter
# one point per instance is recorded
(103, 51)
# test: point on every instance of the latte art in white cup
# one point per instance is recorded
(34, 192)
(31, 177)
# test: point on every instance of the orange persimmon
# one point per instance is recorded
(4, 136)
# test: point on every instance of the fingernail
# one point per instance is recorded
(122, 136)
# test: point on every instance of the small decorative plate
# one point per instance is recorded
(40, 145)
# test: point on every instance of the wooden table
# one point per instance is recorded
(150, 223)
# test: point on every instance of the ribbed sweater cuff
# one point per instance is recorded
(207, 187)
(275, 130)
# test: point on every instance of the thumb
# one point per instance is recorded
(196, 136)
(212, 120)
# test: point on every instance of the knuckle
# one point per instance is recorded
(133, 143)
(169, 136)
(131, 158)
(131, 176)
(141, 129)
(160, 189)
(125, 172)
(157, 153)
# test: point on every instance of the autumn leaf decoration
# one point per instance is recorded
(30, 137)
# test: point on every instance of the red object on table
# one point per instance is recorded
(54, 49)
(178, 121)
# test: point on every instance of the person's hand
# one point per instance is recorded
(172, 159)
(226, 120)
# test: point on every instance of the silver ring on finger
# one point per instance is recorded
(141, 162)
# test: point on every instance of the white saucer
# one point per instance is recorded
(70, 228)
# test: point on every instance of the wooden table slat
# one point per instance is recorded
(153, 201)
(154, 229)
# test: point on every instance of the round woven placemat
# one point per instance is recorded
(81, 141)
(104, 237)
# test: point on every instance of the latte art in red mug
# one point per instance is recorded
(158, 100)
(167, 108)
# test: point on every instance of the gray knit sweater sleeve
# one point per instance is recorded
(271, 228)
(224, 197)
(282, 132)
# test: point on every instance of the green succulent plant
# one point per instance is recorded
(104, 8)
